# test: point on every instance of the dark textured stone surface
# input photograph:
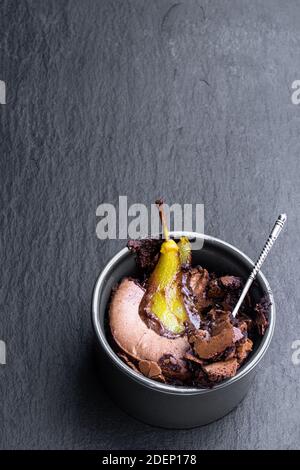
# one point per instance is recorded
(189, 100)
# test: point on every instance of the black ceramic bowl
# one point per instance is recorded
(166, 405)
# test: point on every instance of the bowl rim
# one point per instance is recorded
(174, 389)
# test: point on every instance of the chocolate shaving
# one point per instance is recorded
(127, 361)
(243, 350)
(197, 281)
(173, 368)
(262, 313)
(215, 291)
(146, 252)
(231, 282)
(192, 358)
(207, 346)
(151, 370)
(218, 371)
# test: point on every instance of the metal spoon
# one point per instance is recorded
(268, 245)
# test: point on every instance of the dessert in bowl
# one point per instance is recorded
(177, 328)
(192, 369)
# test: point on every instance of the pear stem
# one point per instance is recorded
(162, 216)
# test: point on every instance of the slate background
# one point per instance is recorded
(190, 100)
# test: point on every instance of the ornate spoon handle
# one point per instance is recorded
(268, 245)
